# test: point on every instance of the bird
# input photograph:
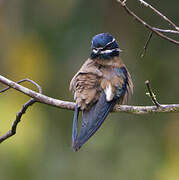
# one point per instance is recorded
(102, 82)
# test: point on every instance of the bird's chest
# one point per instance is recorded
(108, 73)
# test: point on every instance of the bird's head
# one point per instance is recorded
(104, 46)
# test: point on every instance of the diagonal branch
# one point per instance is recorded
(12, 131)
(37, 96)
(160, 14)
(151, 94)
(141, 21)
(146, 44)
(166, 30)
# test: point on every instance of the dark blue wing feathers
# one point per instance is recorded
(92, 120)
(75, 125)
(121, 72)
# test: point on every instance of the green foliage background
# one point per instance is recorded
(47, 41)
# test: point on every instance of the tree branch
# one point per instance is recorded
(38, 97)
(141, 21)
(147, 109)
(166, 30)
(24, 80)
(160, 14)
(71, 105)
(151, 94)
(146, 44)
(12, 131)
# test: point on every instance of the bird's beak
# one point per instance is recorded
(120, 50)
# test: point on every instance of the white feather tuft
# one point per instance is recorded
(108, 92)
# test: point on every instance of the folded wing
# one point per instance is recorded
(92, 119)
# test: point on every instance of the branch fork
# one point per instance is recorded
(155, 30)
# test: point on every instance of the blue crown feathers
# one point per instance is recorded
(104, 46)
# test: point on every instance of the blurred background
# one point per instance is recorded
(47, 41)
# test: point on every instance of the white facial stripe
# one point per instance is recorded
(109, 51)
(110, 42)
(105, 51)
(95, 51)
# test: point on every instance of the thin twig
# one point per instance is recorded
(131, 13)
(12, 131)
(24, 80)
(166, 30)
(151, 94)
(146, 44)
(160, 14)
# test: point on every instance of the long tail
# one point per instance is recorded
(91, 121)
(75, 125)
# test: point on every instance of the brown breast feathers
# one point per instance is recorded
(95, 76)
